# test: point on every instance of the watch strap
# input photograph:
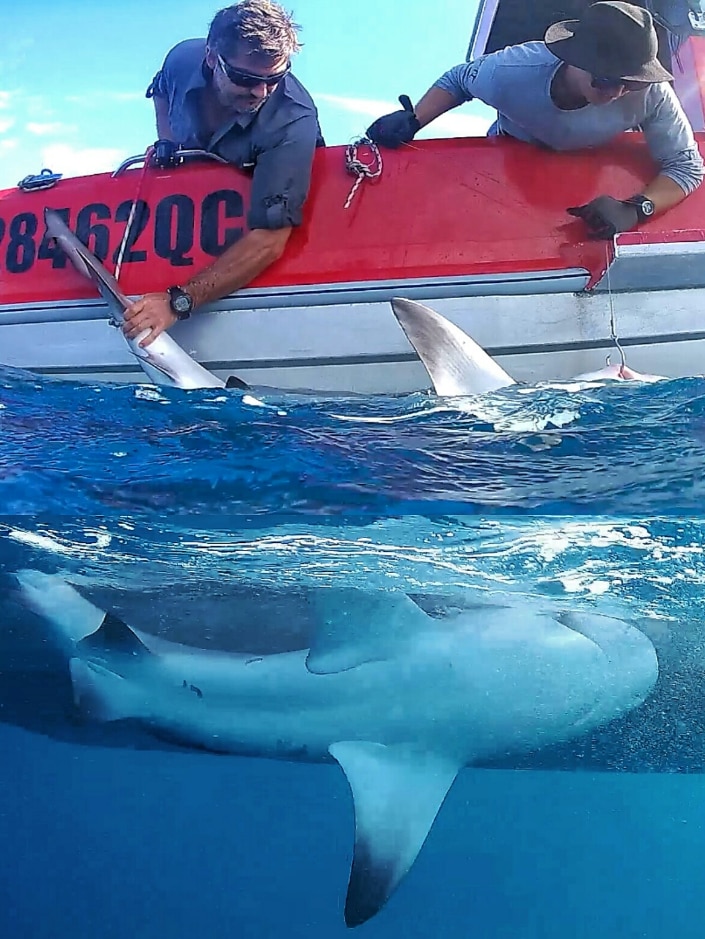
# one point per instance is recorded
(642, 203)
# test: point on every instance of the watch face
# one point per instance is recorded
(180, 302)
(647, 207)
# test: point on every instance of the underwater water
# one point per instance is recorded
(205, 519)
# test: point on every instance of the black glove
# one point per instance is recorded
(392, 130)
(606, 216)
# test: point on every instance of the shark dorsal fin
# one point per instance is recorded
(358, 626)
(455, 363)
(114, 635)
(397, 791)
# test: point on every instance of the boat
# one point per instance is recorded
(474, 227)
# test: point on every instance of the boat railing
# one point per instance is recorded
(180, 156)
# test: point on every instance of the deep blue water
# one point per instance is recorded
(206, 519)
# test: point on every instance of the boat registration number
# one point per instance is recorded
(172, 230)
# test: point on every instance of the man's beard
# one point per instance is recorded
(242, 104)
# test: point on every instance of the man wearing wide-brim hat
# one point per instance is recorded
(590, 79)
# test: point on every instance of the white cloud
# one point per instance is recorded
(367, 107)
(94, 99)
(463, 125)
(5, 124)
(51, 127)
(5, 99)
(450, 124)
(80, 161)
(7, 145)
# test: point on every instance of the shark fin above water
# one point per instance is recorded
(398, 791)
(456, 364)
(359, 626)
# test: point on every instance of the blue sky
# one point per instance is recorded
(73, 74)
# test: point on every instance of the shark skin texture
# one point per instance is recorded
(458, 366)
(400, 699)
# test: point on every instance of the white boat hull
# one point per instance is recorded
(345, 339)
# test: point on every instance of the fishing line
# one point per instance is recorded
(613, 322)
(133, 213)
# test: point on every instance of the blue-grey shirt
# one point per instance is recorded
(277, 141)
(517, 82)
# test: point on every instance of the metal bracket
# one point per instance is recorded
(35, 181)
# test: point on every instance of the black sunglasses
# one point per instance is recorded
(245, 79)
(609, 84)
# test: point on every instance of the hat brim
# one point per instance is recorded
(561, 41)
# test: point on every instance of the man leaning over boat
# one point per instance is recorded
(234, 95)
(588, 81)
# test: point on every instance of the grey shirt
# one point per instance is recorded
(517, 82)
(277, 142)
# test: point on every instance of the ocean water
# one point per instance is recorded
(208, 519)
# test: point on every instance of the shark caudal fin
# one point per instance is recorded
(397, 791)
(102, 695)
(53, 598)
(455, 363)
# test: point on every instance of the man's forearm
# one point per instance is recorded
(237, 266)
(161, 111)
(435, 102)
(664, 193)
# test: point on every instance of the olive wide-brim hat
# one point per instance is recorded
(610, 40)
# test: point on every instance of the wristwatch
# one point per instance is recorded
(181, 303)
(644, 207)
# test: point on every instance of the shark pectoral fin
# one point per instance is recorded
(397, 791)
(99, 694)
(358, 626)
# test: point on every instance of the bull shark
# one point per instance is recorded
(399, 699)
(164, 361)
(458, 366)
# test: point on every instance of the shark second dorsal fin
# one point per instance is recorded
(113, 635)
(358, 626)
(397, 791)
(455, 363)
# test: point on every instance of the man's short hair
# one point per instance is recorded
(263, 25)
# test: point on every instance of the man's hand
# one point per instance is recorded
(606, 216)
(392, 130)
(152, 311)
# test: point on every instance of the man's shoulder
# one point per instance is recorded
(185, 56)
(296, 95)
(524, 55)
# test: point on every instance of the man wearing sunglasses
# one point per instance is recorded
(590, 79)
(234, 94)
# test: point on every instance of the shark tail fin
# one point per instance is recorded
(60, 604)
(99, 694)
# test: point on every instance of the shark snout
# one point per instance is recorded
(630, 665)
